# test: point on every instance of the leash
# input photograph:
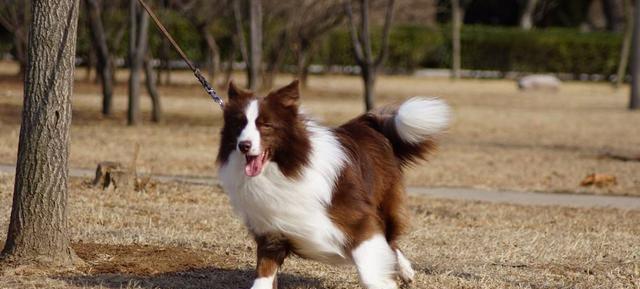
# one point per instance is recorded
(205, 84)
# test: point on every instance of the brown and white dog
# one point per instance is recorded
(333, 195)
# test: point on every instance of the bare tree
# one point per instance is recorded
(255, 44)
(320, 18)
(14, 18)
(634, 99)
(239, 38)
(140, 59)
(361, 44)
(276, 43)
(626, 44)
(136, 55)
(198, 12)
(526, 19)
(99, 41)
(38, 229)
(151, 84)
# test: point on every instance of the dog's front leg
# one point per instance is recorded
(272, 250)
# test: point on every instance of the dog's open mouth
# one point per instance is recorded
(255, 164)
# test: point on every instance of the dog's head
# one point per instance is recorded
(266, 129)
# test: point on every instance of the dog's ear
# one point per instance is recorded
(236, 93)
(287, 96)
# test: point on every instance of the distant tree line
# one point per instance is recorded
(271, 36)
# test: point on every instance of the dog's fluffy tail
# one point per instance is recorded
(413, 127)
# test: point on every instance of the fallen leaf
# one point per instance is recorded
(599, 180)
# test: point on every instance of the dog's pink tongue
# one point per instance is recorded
(253, 166)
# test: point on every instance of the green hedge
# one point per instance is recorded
(411, 47)
(489, 48)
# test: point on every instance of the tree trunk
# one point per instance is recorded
(240, 40)
(91, 61)
(150, 80)
(38, 229)
(99, 41)
(361, 43)
(255, 44)
(369, 85)
(634, 100)
(301, 63)
(626, 45)
(232, 56)
(137, 46)
(213, 51)
(526, 19)
(455, 38)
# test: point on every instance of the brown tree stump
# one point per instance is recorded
(113, 175)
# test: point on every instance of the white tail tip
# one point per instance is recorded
(420, 117)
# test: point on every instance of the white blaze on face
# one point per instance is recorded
(250, 132)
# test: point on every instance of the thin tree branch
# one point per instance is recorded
(242, 42)
(365, 36)
(357, 46)
(388, 18)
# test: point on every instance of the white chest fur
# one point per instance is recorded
(273, 203)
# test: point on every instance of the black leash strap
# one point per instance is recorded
(196, 71)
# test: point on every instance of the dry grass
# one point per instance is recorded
(182, 236)
(500, 137)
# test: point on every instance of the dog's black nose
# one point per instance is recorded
(244, 146)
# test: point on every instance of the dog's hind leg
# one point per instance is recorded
(376, 262)
(395, 219)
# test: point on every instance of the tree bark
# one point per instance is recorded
(634, 99)
(138, 40)
(150, 80)
(255, 44)
(526, 19)
(361, 44)
(38, 229)
(456, 63)
(626, 45)
(99, 40)
(369, 76)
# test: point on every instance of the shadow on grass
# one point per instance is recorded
(144, 266)
(210, 278)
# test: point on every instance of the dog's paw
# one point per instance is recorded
(263, 283)
(405, 272)
(382, 284)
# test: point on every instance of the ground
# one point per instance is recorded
(186, 236)
(500, 138)
(174, 235)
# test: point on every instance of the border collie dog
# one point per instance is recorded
(333, 195)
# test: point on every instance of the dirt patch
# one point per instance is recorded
(144, 259)
(118, 266)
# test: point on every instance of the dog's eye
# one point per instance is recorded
(265, 124)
